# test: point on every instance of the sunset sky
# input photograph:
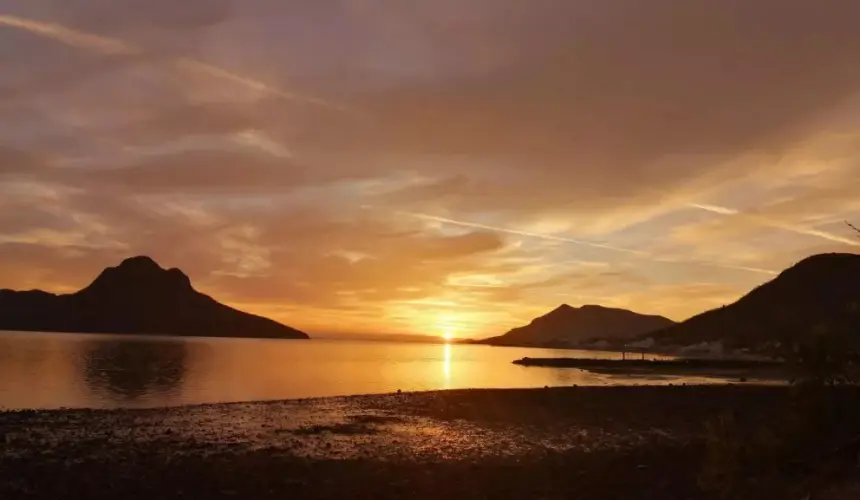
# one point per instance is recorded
(429, 166)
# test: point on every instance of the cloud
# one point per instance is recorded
(679, 302)
(63, 77)
(198, 171)
(529, 234)
(500, 144)
(121, 15)
(613, 121)
(117, 47)
(14, 162)
(763, 220)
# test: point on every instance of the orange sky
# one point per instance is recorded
(433, 166)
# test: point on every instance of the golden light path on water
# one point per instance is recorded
(446, 365)
(112, 46)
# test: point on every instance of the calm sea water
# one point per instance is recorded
(44, 370)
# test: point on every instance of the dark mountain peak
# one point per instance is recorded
(833, 258)
(826, 263)
(137, 296)
(178, 276)
(560, 313)
(562, 309)
(140, 263)
(818, 290)
(823, 275)
(568, 324)
(141, 275)
(595, 307)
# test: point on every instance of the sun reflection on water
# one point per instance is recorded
(446, 365)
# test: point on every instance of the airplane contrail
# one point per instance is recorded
(768, 222)
(550, 237)
(112, 46)
(638, 253)
(714, 208)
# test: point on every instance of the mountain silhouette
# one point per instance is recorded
(819, 291)
(136, 297)
(571, 325)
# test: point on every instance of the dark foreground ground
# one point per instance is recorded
(584, 443)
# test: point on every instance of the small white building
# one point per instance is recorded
(707, 349)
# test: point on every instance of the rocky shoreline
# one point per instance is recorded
(595, 442)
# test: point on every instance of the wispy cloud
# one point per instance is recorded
(112, 46)
(714, 208)
(528, 234)
(764, 220)
(602, 246)
(229, 140)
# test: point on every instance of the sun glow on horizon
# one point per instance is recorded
(446, 324)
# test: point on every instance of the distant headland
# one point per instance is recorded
(819, 292)
(136, 297)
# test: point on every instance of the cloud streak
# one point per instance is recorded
(561, 239)
(763, 220)
(560, 151)
(548, 237)
(112, 46)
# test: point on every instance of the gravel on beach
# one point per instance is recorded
(595, 442)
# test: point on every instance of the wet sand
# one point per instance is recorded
(608, 442)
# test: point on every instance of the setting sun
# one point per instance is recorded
(446, 323)
(435, 248)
